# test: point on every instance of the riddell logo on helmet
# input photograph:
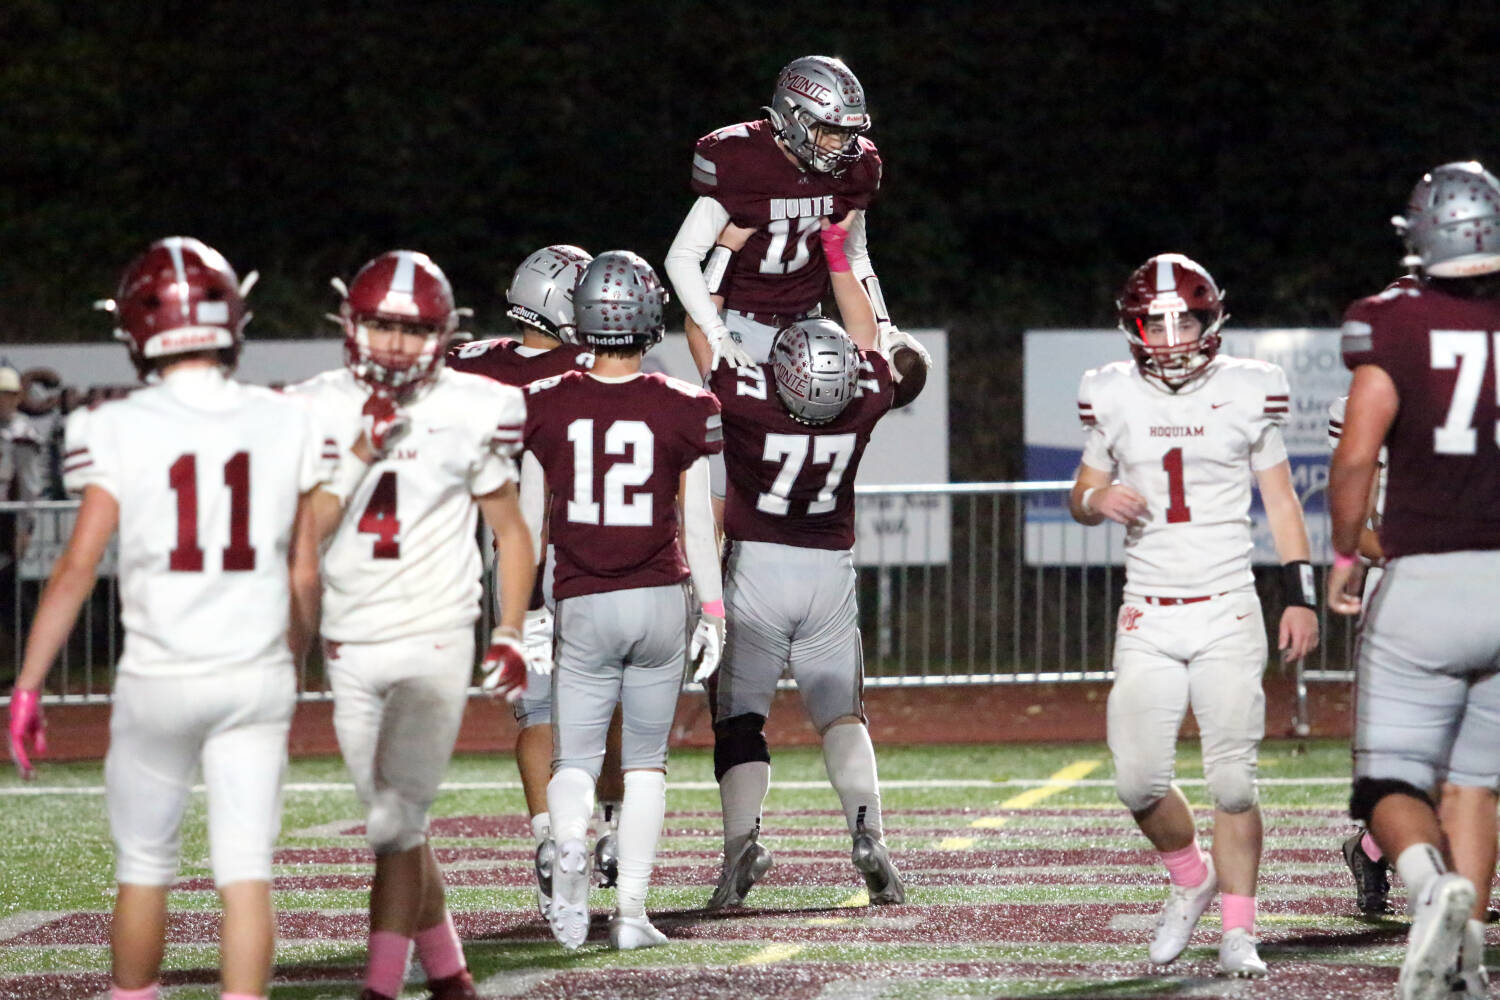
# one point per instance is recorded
(799, 84)
(186, 339)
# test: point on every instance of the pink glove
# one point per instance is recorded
(504, 665)
(833, 236)
(26, 721)
(384, 423)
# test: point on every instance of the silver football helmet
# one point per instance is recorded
(1452, 223)
(541, 291)
(818, 97)
(816, 367)
(618, 302)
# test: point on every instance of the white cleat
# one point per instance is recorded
(569, 914)
(1174, 927)
(545, 852)
(630, 933)
(1471, 982)
(873, 860)
(737, 878)
(1437, 929)
(1237, 955)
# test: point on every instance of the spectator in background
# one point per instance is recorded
(20, 479)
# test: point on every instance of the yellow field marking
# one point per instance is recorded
(826, 922)
(772, 953)
(860, 898)
(955, 843)
(1059, 782)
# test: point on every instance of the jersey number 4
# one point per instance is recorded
(182, 477)
(379, 518)
(634, 442)
(1466, 350)
(832, 450)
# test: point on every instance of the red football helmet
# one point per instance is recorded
(400, 287)
(179, 296)
(1163, 290)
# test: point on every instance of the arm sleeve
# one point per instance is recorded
(87, 458)
(533, 499)
(1270, 448)
(499, 441)
(857, 248)
(699, 539)
(695, 238)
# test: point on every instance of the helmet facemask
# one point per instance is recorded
(818, 98)
(1175, 347)
(380, 359)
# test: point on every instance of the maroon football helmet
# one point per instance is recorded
(1164, 289)
(399, 287)
(180, 296)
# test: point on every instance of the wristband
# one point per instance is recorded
(716, 270)
(1297, 589)
(833, 238)
(715, 608)
(1341, 561)
(1088, 495)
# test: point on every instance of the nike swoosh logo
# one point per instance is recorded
(1215, 406)
(1240, 618)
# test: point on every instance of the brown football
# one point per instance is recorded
(913, 372)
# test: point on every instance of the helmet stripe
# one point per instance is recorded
(184, 299)
(1165, 282)
(405, 279)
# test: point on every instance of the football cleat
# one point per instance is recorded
(1237, 955)
(607, 860)
(1372, 883)
(1185, 904)
(1437, 929)
(568, 916)
(1471, 981)
(873, 860)
(546, 852)
(737, 878)
(459, 986)
(630, 933)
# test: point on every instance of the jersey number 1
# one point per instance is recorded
(182, 477)
(1177, 508)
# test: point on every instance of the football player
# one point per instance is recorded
(209, 483)
(401, 584)
(621, 451)
(781, 175)
(540, 302)
(1173, 443)
(1424, 387)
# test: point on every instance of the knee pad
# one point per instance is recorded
(1368, 792)
(395, 825)
(1139, 788)
(146, 864)
(1232, 785)
(739, 740)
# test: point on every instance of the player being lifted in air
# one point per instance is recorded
(401, 584)
(795, 430)
(625, 457)
(1173, 443)
(209, 482)
(1424, 360)
(540, 301)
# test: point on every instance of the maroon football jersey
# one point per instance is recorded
(614, 453)
(788, 482)
(502, 361)
(1443, 493)
(781, 269)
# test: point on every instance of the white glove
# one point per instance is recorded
(706, 646)
(889, 340)
(536, 639)
(725, 348)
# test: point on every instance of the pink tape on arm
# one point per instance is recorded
(715, 608)
(833, 238)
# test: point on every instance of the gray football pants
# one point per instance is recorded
(1427, 705)
(788, 606)
(626, 647)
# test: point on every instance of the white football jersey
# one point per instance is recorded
(207, 473)
(1192, 455)
(405, 558)
(1336, 431)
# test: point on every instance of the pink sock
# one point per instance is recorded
(1186, 866)
(438, 948)
(151, 992)
(1237, 911)
(386, 970)
(1372, 850)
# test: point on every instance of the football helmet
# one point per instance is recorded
(401, 287)
(1452, 223)
(541, 291)
(816, 367)
(178, 297)
(1164, 289)
(816, 96)
(618, 302)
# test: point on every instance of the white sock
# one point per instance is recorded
(742, 793)
(570, 801)
(641, 815)
(1418, 865)
(541, 827)
(849, 757)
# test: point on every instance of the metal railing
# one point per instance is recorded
(947, 595)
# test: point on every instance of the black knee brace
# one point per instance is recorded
(1369, 791)
(739, 740)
